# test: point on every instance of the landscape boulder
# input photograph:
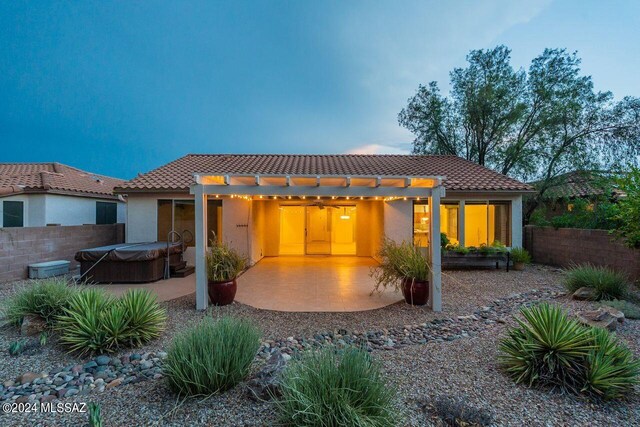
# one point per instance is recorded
(265, 384)
(585, 294)
(32, 325)
(598, 318)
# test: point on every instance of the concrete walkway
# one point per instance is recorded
(291, 283)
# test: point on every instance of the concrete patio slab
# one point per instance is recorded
(166, 290)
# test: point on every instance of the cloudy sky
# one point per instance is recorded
(123, 87)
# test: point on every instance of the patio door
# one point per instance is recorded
(318, 238)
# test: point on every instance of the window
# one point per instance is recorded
(486, 223)
(106, 213)
(180, 216)
(421, 221)
(12, 214)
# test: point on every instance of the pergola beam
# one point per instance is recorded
(321, 191)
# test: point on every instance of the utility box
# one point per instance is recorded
(42, 270)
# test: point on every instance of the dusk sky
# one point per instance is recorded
(123, 87)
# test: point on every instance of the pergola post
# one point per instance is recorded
(435, 294)
(202, 298)
(461, 218)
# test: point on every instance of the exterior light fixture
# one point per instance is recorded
(318, 197)
(303, 197)
(275, 197)
(333, 197)
(361, 198)
(289, 197)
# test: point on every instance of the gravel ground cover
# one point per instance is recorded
(462, 367)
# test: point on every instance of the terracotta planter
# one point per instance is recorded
(518, 266)
(415, 292)
(222, 293)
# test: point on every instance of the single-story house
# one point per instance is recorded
(41, 194)
(273, 205)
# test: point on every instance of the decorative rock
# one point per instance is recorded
(135, 356)
(72, 392)
(32, 325)
(47, 398)
(28, 377)
(614, 312)
(90, 365)
(102, 360)
(598, 318)
(585, 294)
(115, 383)
(8, 383)
(265, 384)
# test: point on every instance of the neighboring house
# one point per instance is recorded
(271, 205)
(40, 194)
(587, 185)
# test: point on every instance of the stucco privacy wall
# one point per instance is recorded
(566, 246)
(20, 247)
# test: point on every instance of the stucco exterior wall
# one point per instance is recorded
(236, 220)
(44, 209)
(142, 218)
(398, 220)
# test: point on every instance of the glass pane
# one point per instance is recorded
(214, 221)
(292, 230)
(475, 224)
(421, 225)
(12, 214)
(449, 222)
(500, 223)
(343, 231)
(184, 218)
(164, 219)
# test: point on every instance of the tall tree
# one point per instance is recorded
(531, 125)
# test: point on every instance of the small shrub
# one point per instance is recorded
(611, 370)
(606, 282)
(520, 255)
(95, 321)
(16, 347)
(457, 249)
(211, 357)
(145, 317)
(547, 348)
(630, 310)
(95, 417)
(327, 388)
(455, 413)
(46, 299)
(444, 240)
(223, 262)
(398, 261)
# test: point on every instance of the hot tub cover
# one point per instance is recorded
(129, 252)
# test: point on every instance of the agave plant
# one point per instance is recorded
(145, 317)
(546, 348)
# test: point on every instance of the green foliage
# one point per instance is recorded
(520, 255)
(145, 317)
(444, 240)
(223, 262)
(629, 208)
(549, 349)
(455, 413)
(46, 299)
(95, 418)
(630, 310)
(95, 321)
(43, 338)
(330, 388)
(398, 261)
(457, 249)
(590, 215)
(606, 282)
(212, 356)
(17, 347)
(612, 371)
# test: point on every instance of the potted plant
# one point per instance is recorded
(402, 266)
(520, 257)
(223, 266)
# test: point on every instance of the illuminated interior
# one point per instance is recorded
(448, 223)
(487, 223)
(329, 230)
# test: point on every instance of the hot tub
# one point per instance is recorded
(127, 262)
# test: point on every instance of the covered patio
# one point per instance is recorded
(339, 282)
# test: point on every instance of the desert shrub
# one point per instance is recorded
(611, 370)
(330, 388)
(606, 282)
(549, 349)
(546, 348)
(223, 262)
(145, 317)
(520, 255)
(95, 321)
(455, 413)
(46, 299)
(599, 214)
(95, 417)
(212, 356)
(630, 310)
(628, 214)
(398, 261)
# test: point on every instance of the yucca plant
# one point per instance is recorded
(46, 299)
(95, 417)
(606, 282)
(145, 317)
(546, 348)
(81, 326)
(212, 356)
(611, 369)
(331, 388)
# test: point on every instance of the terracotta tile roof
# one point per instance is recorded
(581, 183)
(460, 174)
(54, 178)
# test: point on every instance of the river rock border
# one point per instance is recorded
(105, 372)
